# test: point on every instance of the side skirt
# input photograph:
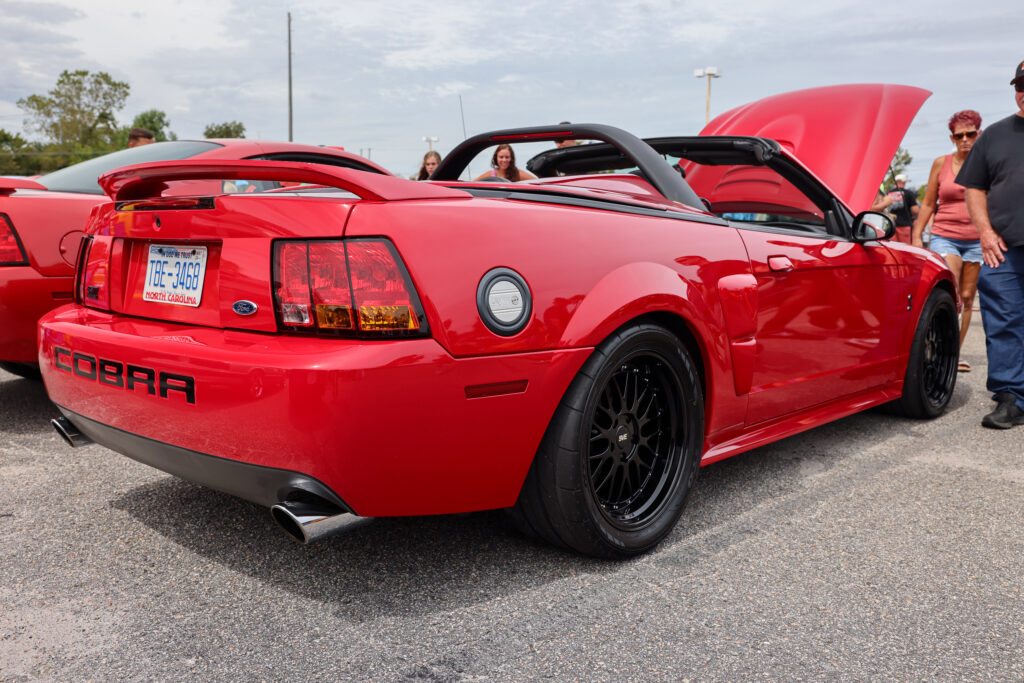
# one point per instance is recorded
(747, 439)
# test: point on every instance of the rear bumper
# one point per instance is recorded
(387, 427)
(25, 295)
(263, 485)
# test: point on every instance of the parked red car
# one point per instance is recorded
(572, 348)
(41, 223)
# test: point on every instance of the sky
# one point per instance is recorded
(379, 76)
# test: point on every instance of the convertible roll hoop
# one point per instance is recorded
(669, 183)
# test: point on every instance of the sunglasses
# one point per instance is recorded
(1019, 86)
(966, 135)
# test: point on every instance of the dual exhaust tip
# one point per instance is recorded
(69, 432)
(304, 522)
(308, 522)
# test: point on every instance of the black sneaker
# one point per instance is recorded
(1006, 413)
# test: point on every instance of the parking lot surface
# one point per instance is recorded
(873, 548)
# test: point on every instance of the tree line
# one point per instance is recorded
(76, 120)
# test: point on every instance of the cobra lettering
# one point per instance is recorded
(120, 375)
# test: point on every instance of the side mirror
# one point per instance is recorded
(869, 226)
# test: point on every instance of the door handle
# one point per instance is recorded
(779, 263)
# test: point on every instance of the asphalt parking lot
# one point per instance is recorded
(874, 548)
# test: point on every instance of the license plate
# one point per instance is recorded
(175, 274)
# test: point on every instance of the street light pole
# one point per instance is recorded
(430, 140)
(709, 73)
(289, 77)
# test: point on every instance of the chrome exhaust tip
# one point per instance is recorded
(69, 432)
(309, 523)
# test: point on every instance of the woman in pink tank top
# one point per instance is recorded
(954, 236)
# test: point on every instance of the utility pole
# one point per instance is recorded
(710, 72)
(290, 137)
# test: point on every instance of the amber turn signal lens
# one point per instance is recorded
(334, 317)
(387, 318)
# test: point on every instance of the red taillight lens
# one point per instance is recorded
(11, 253)
(329, 282)
(380, 288)
(292, 284)
(352, 287)
(93, 287)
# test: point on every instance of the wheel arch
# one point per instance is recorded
(651, 292)
(932, 277)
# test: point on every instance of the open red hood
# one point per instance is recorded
(844, 134)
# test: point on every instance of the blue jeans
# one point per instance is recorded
(967, 250)
(1001, 292)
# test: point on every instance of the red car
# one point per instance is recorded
(41, 224)
(572, 348)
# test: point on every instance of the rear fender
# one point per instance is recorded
(629, 292)
(651, 289)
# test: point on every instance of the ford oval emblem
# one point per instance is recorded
(244, 307)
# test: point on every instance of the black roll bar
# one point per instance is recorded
(654, 168)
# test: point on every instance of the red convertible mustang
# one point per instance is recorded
(41, 225)
(572, 348)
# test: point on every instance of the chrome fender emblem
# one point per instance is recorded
(244, 307)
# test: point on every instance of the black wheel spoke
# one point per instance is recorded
(634, 444)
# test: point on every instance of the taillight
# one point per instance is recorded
(92, 287)
(11, 253)
(346, 287)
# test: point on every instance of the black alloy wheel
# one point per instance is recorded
(633, 451)
(931, 368)
(615, 466)
(941, 355)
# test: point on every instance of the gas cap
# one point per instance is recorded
(503, 301)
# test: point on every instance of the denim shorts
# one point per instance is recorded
(967, 250)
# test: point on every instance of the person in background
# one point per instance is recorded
(882, 202)
(430, 161)
(904, 207)
(140, 136)
(994, 177)
(566, 143)
(503, 165)
(954, 236)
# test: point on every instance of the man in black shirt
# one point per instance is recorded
(993, 174)
(903, 207)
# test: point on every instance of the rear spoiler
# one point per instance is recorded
(9, 185)
(145, 181)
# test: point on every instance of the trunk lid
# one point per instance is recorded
(207, 260)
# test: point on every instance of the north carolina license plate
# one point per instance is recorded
(175, 274)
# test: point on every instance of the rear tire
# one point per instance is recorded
(614, 469)
(931, 370)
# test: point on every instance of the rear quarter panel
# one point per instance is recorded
(589, 272)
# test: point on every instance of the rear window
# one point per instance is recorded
(82, 177)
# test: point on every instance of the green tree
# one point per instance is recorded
(79, 113)
(152, 120)
(228, 129)
(156, 121)
(12, 153)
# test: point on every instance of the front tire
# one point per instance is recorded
(613, 472)
(931, 370)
